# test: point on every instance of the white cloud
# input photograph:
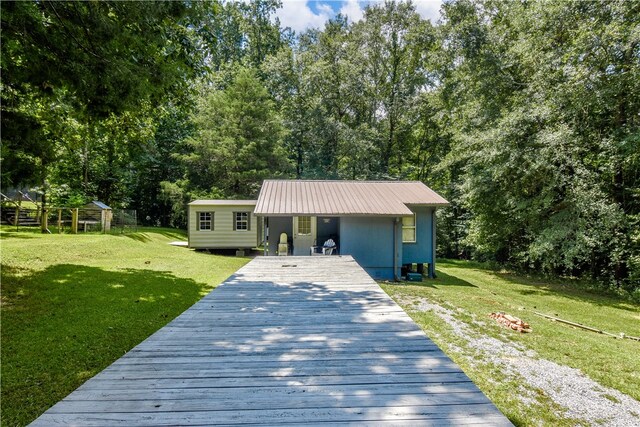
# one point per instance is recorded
(428, 9)
(298, 15)
(353, 10)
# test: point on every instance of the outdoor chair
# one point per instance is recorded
(283, 246)
(328, 247)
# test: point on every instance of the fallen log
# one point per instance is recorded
(588, 328)
(511, 322)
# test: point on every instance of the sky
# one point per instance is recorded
(303, 14)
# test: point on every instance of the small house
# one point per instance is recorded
(382, 224)
(223, 224)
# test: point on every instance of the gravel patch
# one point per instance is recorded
(580, 397)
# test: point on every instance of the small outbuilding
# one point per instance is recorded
(95, 214)
(223, 224)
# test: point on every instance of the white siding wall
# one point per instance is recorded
(222, 236)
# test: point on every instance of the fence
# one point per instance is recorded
(124, 220)
(73, 220)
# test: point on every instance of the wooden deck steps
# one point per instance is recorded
(295, 341)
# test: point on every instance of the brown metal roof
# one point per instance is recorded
(381, 198)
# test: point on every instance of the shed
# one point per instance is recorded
(95, 214)
(223, 224)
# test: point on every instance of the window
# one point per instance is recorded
(409, 229)
(304, 226)
(241, 221)
(205, 221)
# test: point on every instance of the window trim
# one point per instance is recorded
(235, 221)
(310, 226)
(413, 227)
(200, 220)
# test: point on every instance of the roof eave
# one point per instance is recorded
(334, 215)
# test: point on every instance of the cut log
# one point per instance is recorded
(511, 322)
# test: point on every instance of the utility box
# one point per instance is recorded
(414, 277)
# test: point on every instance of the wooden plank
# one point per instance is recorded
(374, 364)
(345, 335)
(253, 403)
(282, 372)
(272, 391)
(293, 331)
(452, 414)
(345, 357)
(312, 344)
(98, 382)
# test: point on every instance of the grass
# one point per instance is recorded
(73, 304)
(472, 292)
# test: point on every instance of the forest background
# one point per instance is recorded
(524, 115)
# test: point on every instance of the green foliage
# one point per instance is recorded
(109, 55)
(524, 115)
(350, 94)
(237, 143)
(544, 180)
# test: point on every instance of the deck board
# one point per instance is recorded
(296, 341)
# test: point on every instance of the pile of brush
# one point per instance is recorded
(511, 322)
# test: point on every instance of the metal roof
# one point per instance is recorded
(224, 202)
(98, 204)
(343, 198)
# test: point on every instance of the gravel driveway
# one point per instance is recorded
(580, 397)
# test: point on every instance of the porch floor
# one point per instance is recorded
(295, 340)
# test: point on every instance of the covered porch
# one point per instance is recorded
(306, 234)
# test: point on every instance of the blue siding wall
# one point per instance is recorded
(421, 251)
(370, 241)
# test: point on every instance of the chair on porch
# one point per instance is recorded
(283, 246)
(326, 249)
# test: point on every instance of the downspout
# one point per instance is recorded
(395, 249)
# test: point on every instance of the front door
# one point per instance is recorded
(304, 234)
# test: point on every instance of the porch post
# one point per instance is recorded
(432, 264)
(265, 234)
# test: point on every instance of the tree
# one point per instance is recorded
(395, 43)
(524, 85)
(238, 139)
(99, 59)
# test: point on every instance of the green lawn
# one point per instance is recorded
(73, 304)
(471, 292)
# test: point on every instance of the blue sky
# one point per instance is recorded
(303, 14)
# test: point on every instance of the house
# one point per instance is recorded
(223, 224)
(382, 224)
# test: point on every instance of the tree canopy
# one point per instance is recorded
(525, 115)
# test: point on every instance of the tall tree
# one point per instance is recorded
(526, 85)
(238, 139)
(101, 59)
(395, 42)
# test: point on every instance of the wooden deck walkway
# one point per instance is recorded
(296, 340)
